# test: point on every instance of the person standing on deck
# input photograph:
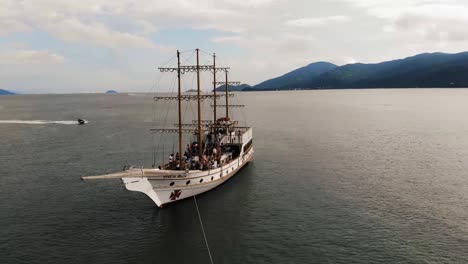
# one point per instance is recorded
(215, 153)
(189, 150)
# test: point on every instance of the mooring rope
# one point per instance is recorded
(203, 229)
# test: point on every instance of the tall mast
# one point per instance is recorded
(200, 147)
(180, 110)
(214, 86)
(227, 95)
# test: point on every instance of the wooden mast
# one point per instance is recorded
(180, 109)
(227, 95)
(200, 147)
(214, 86)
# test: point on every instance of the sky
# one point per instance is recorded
(88, 46)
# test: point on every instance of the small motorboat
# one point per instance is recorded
(81, 121)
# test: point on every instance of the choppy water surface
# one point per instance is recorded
(361, 176)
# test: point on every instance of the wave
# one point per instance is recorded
(137, 94)
(40, 122)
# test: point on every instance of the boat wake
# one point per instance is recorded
(41, 122)
(137, 94)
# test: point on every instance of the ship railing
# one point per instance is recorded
(238, 135)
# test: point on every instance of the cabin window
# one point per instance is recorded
(172, 184)
(248, 145)
(201, 180)
(188, 182)
(211, 177)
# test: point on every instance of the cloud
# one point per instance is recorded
(432, 20)
(9, 26)
(435, 22)
(251, 3)
(74, 30)
(30, 57)
(393, 9)
(230, 39)
(317, 21)
(444, 29)
(73, 21)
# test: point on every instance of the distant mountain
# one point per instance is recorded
(234, 88)
(111, 92)
(426, 70)
(5, 92)
(296, 78)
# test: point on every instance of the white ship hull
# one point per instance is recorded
(167, 186)
(171, 188)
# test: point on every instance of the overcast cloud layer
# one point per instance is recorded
(96, 45)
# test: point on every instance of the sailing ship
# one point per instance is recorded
(220, 150)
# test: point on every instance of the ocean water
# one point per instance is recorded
(345, 176)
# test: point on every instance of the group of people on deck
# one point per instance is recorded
(191, 160)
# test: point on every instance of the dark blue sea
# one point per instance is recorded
(339, 176)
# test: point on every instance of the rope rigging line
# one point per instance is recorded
(189, 57)
(191, 104)
(153, 111)
(152, 89)
(162, 114)
(167, 108)
(207, 53)
(187, 51)
(203, 229)
(242, 111)
(170, 60)
(166, 104)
